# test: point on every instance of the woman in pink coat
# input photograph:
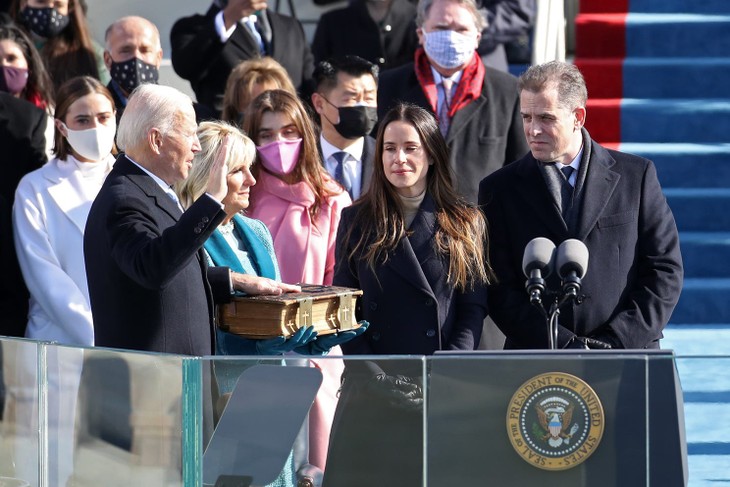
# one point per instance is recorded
(300, 204)
(295, 196)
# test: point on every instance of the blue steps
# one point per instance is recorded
(706, 254)
(704, 77)
(704, 300)
(675, 111)
(700, 209)
(686, 6)
(677, 34)
(675, 120)
(685, 165)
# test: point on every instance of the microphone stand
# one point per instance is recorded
(551, 316)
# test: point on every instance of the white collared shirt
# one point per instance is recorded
(575, 164)
(220, 26)
(352, 164)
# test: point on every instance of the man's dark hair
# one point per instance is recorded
(325, 73)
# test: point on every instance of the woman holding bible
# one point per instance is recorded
(245, 246)
(418, 252)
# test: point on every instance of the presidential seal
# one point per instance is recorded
(555, 421)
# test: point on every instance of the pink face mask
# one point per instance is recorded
(281, 156)
(13, 80)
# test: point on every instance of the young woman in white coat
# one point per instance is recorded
(50, 210)
(49, 216)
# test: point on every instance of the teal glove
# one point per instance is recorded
(281, 345)
(323, 344)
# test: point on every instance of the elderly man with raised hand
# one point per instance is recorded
(477, 107)
(149, 284)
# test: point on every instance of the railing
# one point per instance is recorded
(96, 416)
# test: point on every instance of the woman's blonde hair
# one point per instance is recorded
(243, 78)
(241, 150)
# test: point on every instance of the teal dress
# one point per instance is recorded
(245, 247)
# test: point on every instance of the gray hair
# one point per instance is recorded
(572, 91)
(149, 106)
(241, 150)
(425, 5)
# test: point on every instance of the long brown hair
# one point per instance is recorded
(461, 234)
(309, 168)
(68, 93)
(70, 53)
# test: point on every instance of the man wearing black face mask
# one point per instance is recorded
(133, 55)
(346, 101)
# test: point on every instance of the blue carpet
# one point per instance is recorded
(675, 120)
(677, 35)
(705, 254)
(703, 300)
(675, 77)
(681, 165)
(687, 6)
(700, 209)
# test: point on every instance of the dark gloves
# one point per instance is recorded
(398, 391)
(280, 345)
(322, 344)
(587, 343)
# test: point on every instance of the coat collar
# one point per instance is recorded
(412, 251)
(599, 185)
(148, 186)
(70, 192)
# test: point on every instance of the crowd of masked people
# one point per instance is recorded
(395, 155)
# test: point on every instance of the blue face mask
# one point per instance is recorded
(449, 49)
(44, 22)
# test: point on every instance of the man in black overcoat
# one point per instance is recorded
(569, 186)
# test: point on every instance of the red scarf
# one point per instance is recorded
(468, 89)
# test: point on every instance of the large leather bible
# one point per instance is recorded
(328, 308)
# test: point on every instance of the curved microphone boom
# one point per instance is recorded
(537, 264)
(571, 264)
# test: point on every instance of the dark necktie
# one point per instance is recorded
(340, 175)
(566, 190)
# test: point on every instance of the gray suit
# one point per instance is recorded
(483, 136)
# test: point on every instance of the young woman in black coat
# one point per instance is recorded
(417, 250)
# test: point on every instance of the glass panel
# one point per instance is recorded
(562, 418)
(114, 417)
(19, 388)
(266, 433)
(121, 418)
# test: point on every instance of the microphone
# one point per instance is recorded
(572, 264)
(537, 264)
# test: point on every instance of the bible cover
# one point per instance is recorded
(328, 308)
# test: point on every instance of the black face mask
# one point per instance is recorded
(132, 73)
(45, 22)
(355, 122)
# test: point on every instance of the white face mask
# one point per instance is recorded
(92, 144)
(448, 48)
